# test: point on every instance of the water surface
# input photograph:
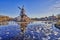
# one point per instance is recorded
(34, 31)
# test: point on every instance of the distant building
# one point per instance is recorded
(58, 16)
(17, 18)
(52, 18)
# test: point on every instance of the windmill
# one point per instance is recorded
(24, 20)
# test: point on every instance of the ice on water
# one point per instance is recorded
(34, 31)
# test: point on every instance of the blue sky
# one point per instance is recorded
(34, 8)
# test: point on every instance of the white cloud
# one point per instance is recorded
(54, 9)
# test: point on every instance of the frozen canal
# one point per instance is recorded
(34, 31)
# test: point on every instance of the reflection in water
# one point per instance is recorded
(23, 26)
(7, 23)
(4, 23)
